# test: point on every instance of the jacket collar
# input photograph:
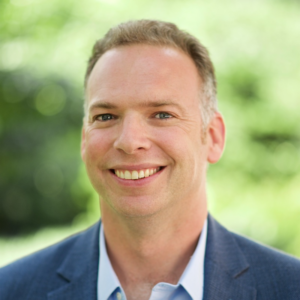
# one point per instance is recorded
(80, 268)
(226, 273)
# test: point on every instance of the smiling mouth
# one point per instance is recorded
(136, 174)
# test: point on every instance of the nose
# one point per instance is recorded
(132, 135)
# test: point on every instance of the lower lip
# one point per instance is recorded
(136, 182)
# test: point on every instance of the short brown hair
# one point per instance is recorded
(158, 33)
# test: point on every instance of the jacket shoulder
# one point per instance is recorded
(271, 269)
(271, 274)
(257, 253)
(38, 271)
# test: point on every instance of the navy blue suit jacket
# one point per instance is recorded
(235, 268)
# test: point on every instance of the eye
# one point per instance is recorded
(104, 117)
(163, 115)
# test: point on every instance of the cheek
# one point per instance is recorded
(178, 143)
(188, 155)
(97, 144)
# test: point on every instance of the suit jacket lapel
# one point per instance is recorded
(226, 275)
(80, 268)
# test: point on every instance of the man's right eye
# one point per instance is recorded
(104, 117)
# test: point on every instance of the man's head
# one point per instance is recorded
(142, 138)
(158, 33)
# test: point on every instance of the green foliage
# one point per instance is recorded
(45, 44)
(39, 154)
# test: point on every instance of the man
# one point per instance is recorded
(151, 127)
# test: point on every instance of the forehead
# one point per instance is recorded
(136, 71)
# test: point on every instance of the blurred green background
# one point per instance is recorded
(44, 46)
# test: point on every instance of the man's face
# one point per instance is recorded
(144, 123)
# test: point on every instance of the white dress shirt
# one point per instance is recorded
(189, 287)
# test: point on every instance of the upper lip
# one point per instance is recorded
(135, 167)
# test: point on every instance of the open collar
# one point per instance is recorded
(191, 279)
(108, 281)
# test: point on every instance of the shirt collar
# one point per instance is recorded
(108, 281)
(192, 278)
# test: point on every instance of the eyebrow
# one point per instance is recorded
(158, 103)
(102, 104)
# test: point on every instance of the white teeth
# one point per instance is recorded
(133, 175)
(127, 175)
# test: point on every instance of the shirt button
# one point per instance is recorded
(119, 296)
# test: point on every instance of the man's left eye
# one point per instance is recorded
(104, 117)
(163, 115)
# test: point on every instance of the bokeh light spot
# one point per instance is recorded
(50, 100)
(11, 55)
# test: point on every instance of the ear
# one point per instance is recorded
(83, 142)
(216, 138)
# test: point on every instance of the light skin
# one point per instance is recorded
(144, 114)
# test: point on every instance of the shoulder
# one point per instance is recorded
(268, 262)
(38, 271)
(258, 253)
(273, 274)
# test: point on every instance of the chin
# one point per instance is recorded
(133, 207)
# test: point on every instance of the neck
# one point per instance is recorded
(147, 250)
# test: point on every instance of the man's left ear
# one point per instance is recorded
(215, 138)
